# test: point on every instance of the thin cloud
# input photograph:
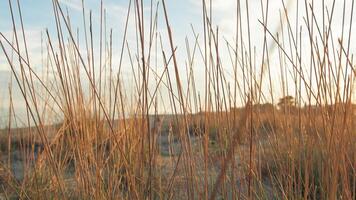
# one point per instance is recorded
(74, 4)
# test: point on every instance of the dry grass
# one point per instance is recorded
(113, 144)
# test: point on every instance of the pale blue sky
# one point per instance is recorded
(38, 16)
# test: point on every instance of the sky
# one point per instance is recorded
(183, 14)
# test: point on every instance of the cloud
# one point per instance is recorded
(217, 5)
(116, 10)
(74, 4)
(33, 39)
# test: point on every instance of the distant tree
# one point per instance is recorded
(286, 103)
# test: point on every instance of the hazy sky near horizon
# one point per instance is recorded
(183, 14)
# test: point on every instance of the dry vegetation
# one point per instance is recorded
(113, 144)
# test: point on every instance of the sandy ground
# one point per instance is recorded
(169, 153)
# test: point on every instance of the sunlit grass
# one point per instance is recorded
(113, 143)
